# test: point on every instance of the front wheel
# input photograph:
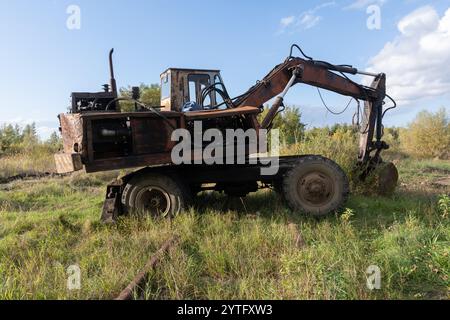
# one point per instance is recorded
(316, 186)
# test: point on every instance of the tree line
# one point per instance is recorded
(16, 139)
(427, 136)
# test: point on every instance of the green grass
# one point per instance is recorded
(225, 251)
(37, 161)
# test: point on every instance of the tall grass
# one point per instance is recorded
(340, 146)
(225, 251)
(32, 161)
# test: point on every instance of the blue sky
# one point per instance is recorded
(42, 61)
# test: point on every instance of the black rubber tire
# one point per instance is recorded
(175, 194)
(194, 190)
(334, 197)
(277, 186)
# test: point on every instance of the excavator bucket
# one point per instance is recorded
(386, 175)
(380, 178)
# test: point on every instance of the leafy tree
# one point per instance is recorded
(54, 142)
(150, 95)
(392, 137)
(54, 139)
(29, 134)
(428, 135)
(341, 127)
(289, 123)
(10, 136)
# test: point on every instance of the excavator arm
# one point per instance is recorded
(323, 75)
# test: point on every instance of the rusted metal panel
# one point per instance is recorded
(115, 115)
(150, 142)
(275, 82)
(151, 135)
(325, 79)
(372, 112)
(198, 115)
(68, 162)
(72, 132)
(129, 162)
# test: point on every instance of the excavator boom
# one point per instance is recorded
(323, 75)
(315, 75)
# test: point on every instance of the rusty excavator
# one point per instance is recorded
(99, 136)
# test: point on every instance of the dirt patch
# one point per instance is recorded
(436, 171)
(442, 182)
(33, 176)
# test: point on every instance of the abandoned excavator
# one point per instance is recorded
(98, 136)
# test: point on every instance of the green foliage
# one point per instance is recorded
(150, 96)
(444, 205)
(23, 153)
(10, 136)
(392, 137)
(48, 225)
(339, 143)
(15, 140)
(428, 135)
(224, 252)
(289, 123)
(54, 142)
(29, 135)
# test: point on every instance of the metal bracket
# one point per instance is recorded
(112, 206)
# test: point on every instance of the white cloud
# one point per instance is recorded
(287, 21)
(422, 20)
(363, 4)
(306, 20)
(417, 62)
(21, 122)
(44, 132)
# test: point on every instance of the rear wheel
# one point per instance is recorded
(316, 186)
(155, 195)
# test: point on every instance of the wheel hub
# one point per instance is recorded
(154, 201)
(315, 188)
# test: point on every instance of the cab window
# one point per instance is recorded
(198, 82)
(165, 86)
(219, 99)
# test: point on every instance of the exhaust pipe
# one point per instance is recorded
(111, 70)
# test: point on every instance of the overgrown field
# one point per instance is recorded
(226, 251)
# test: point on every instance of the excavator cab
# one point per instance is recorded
(185, 90)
